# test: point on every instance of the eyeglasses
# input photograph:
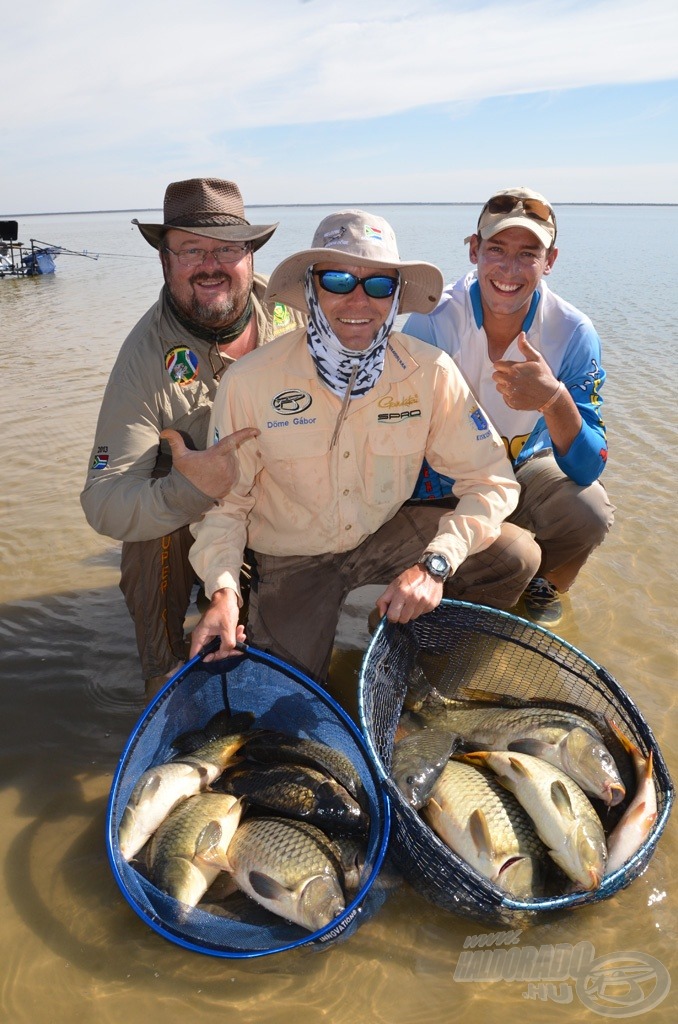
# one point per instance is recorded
(224, 255)
(340, 282)
(534, 208)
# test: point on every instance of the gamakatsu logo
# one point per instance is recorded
(289, 402)
(618, 985)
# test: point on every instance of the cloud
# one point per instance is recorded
(110, 101)
(114, 71)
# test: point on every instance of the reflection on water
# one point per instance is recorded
(73, 949)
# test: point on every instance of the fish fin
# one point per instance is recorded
(561, 798)
(209, 838)
(150, 787)
(533, 747)
(519, 767)
(478, 758)
(266, 887)
(480, 833)
(628, 745)
(473, 693)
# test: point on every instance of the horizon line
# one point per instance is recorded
(158, 209)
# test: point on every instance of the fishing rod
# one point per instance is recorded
(59, 250)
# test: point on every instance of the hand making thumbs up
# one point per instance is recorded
(527, 383)
(214, 471)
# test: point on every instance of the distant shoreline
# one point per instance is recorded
(273, 206)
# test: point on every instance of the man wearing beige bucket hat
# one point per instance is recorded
(534, 363)
(346, 409)
(149, 473)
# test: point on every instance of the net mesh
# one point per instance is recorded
(463, 648)
(281, 699)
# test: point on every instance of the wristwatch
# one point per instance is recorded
(436, 566)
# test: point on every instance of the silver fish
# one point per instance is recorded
(289, 867)
(636, 823)
(418, 760)
(564, 739)
(487, 827)
(563, 816)
(161, 788)
(189, 849)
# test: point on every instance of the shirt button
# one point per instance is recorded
(346, 455)
(345, 492)
(348, 527)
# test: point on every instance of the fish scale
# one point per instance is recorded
(504, 847)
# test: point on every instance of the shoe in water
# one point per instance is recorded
(542, 602)
(155, 684)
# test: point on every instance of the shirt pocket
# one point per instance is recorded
(298, 462)
(393, 459)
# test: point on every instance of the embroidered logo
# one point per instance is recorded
(478, 419)
(182, 365)
(289, 402)
(100, 460)
(374, 234)
(335, 237)
(282, 318)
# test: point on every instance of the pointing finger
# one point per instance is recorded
(234, 440)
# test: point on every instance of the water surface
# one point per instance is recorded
(72, 948)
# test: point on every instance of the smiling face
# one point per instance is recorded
(510, 266)
(209, 294)
(355, 318)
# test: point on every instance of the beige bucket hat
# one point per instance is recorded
(360, 239)
(209, 207)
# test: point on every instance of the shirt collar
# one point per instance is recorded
(477, 306)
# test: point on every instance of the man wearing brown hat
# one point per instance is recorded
(533, 361)
(150, 475)
(346, 410)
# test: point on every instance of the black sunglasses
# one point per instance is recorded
(534, 208)
(340, 282)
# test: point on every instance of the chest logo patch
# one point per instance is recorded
(181, 364)
(289, 402)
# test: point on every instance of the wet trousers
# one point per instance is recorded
(296, 601)
(157, 581)
(568, 521)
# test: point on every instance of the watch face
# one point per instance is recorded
(438, 566)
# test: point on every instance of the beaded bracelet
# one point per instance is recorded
(554, 397)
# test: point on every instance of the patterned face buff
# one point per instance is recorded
(335, 364)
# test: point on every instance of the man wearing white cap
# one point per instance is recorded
(345, 412)
(533, 361)
(149, 473)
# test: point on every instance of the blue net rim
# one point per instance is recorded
(323, 936)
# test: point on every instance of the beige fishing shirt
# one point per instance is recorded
(162, 378)
(297, 494)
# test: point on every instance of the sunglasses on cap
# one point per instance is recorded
(534, 208)
(340, 282)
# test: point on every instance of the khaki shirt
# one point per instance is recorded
(299, 495)
(162, 378)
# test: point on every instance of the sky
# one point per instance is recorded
(337, 101)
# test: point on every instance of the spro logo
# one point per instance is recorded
(404, 414)
(288, 403)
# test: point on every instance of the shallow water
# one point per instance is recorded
(72, 948)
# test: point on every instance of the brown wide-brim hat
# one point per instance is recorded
(209, 207)
(359, 239)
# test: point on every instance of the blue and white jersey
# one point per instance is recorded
(566, 339)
